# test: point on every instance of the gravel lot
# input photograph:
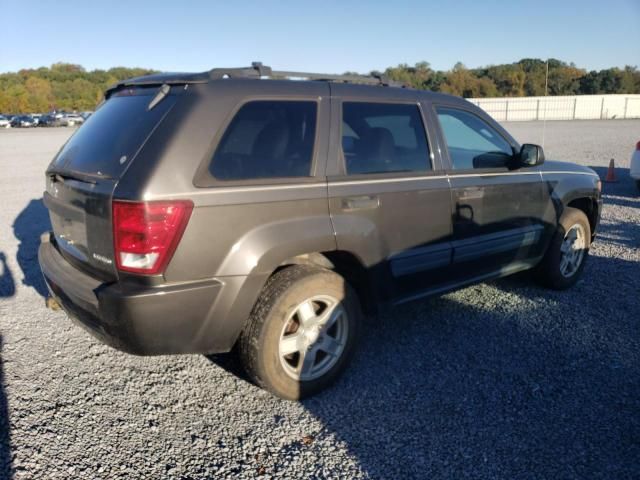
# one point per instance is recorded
(500, 380)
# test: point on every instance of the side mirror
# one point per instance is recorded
(530, 156)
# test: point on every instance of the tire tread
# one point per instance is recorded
(274, 289)
(547, 272)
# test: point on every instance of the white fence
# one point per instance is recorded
(576, 107)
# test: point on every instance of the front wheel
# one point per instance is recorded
(301, 333)
(564, 261)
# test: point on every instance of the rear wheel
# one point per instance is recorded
(301, 333)
(565, 258)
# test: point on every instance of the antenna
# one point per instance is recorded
(546, 87)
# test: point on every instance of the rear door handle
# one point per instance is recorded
(366, 202)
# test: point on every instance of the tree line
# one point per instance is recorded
(65, 86)
(524, 78)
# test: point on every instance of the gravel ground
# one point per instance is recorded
(500, 380)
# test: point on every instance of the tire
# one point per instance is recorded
(276, 325)
(552, 272)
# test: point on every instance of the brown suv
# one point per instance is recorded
(242, 209)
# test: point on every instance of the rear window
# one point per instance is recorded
(110, 138)
(267, 139)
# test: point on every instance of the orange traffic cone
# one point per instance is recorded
(611, 172)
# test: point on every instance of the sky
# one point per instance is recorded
(317, 36)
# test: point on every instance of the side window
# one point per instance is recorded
(472, 143)
(382, 137)
(267, 139)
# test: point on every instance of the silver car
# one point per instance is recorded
(72, 119)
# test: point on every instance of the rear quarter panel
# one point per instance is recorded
(241, 227)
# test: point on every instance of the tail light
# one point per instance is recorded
(145, 234)
(638, 146)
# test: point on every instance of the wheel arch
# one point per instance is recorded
(344, 263)
(589, 206)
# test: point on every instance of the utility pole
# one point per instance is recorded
(546, 88)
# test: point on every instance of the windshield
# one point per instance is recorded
(111, 137)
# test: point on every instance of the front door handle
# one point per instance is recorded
(366, 202)
(464, 212)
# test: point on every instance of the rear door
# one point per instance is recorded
(497, 212)
(388, 198)
(83, 175)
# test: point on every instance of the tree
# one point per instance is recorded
(509, 79)
(591, 83)
(535, 72)
(17, 99)
(630, 80)
(564, 80)
(462, 82)
(39, 94)
(417, 76)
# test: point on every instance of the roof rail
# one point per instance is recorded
(257, 70)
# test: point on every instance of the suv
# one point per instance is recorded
(240, 209)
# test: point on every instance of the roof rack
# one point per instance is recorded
(257, 70)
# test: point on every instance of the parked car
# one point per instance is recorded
(635, 165)
(4, 122)
(300, 205)
(48, 120)
(71, 119)
(61, 118)
(23, 121)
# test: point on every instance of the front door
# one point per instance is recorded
(496, 212)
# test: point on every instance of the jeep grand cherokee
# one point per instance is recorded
(261, 212)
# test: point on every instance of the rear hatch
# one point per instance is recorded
(82, 177)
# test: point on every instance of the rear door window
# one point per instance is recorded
(110, 138)
(267, 139)
(382, 137)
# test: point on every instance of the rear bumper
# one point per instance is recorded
(195, 317)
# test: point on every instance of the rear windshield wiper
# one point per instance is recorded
(58, 175)
(163, 91)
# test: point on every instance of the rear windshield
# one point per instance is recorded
(110, 138)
